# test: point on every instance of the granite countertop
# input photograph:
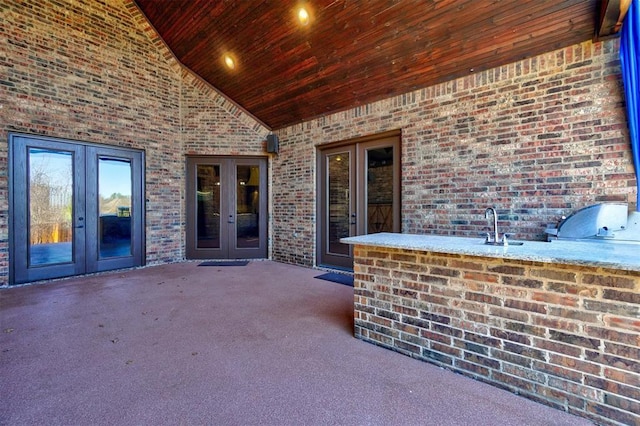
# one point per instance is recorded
(623, 256)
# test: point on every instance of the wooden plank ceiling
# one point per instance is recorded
(354, 52)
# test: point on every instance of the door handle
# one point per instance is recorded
(353, 219)
(231, 219)
(80, 219)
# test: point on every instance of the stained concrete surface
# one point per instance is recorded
(263, 344)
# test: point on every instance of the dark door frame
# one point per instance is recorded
(327, 257)
(357, 148)
(228, 248)
(94, 262)
(85, 245)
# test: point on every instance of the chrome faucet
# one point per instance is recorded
(496, 241)
(495, 225)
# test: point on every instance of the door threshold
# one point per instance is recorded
(338, 269)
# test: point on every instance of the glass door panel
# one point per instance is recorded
(247, 206)
(114, 207)
(338, 209)
(47, 209)
(208, 206)
(379, 192)
(50, 184)
(339, 201)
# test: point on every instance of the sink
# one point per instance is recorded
(499, 243)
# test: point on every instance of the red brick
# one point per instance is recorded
(511, 382)
(612, 387)
(465, 264)
(557, 347)
(574, 339)
(557, 323)
(477, 276)
(559, 370)
(474, 325)
(470, 308)
(574, 388)
(612, 308)
(625, 338)
(380, 338)
(446, 349)
(561, 398)
(406, 329)
(555, 275)
(522, 282)
(585, 291)
(613, 361)
(525, 306)
(525, 373)
(624, 323)
(483, 298)
(405, 310)
(609, 414)
(622, 296)
(624, 404)
(507, 270)
(509, 314)
(511, 358)
(573, 314)
(376, 254)
(554, 299)
(430, 279)
(445, 272)
(609, 281)
(386, 264)
(472, 367)
(429, 298)
(621, 376)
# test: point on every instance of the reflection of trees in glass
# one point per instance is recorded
(114, 177)
(50, 196)
(116, 204)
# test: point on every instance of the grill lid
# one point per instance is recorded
(605, 221)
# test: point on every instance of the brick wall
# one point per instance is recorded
(294, 201)
(567, 336)
(97, 72)
(536, 139)
(212, 125)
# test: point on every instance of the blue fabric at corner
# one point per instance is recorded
(629, 53)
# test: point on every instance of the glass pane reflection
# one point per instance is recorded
(50, 206)
(380, 190)
(208, 206)
(339, 199)
(247, 206)
(114, 207)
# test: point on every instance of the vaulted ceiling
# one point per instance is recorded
(352, 52)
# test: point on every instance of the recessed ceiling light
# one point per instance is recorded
(229, 62)
(303, 16)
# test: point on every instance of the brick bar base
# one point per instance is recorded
(566, 336)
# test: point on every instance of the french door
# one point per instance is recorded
(359, 193)
(226, 208)
(75, 208)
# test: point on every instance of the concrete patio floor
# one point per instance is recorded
(262, 344)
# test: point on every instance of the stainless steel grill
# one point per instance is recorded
(605, 222)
